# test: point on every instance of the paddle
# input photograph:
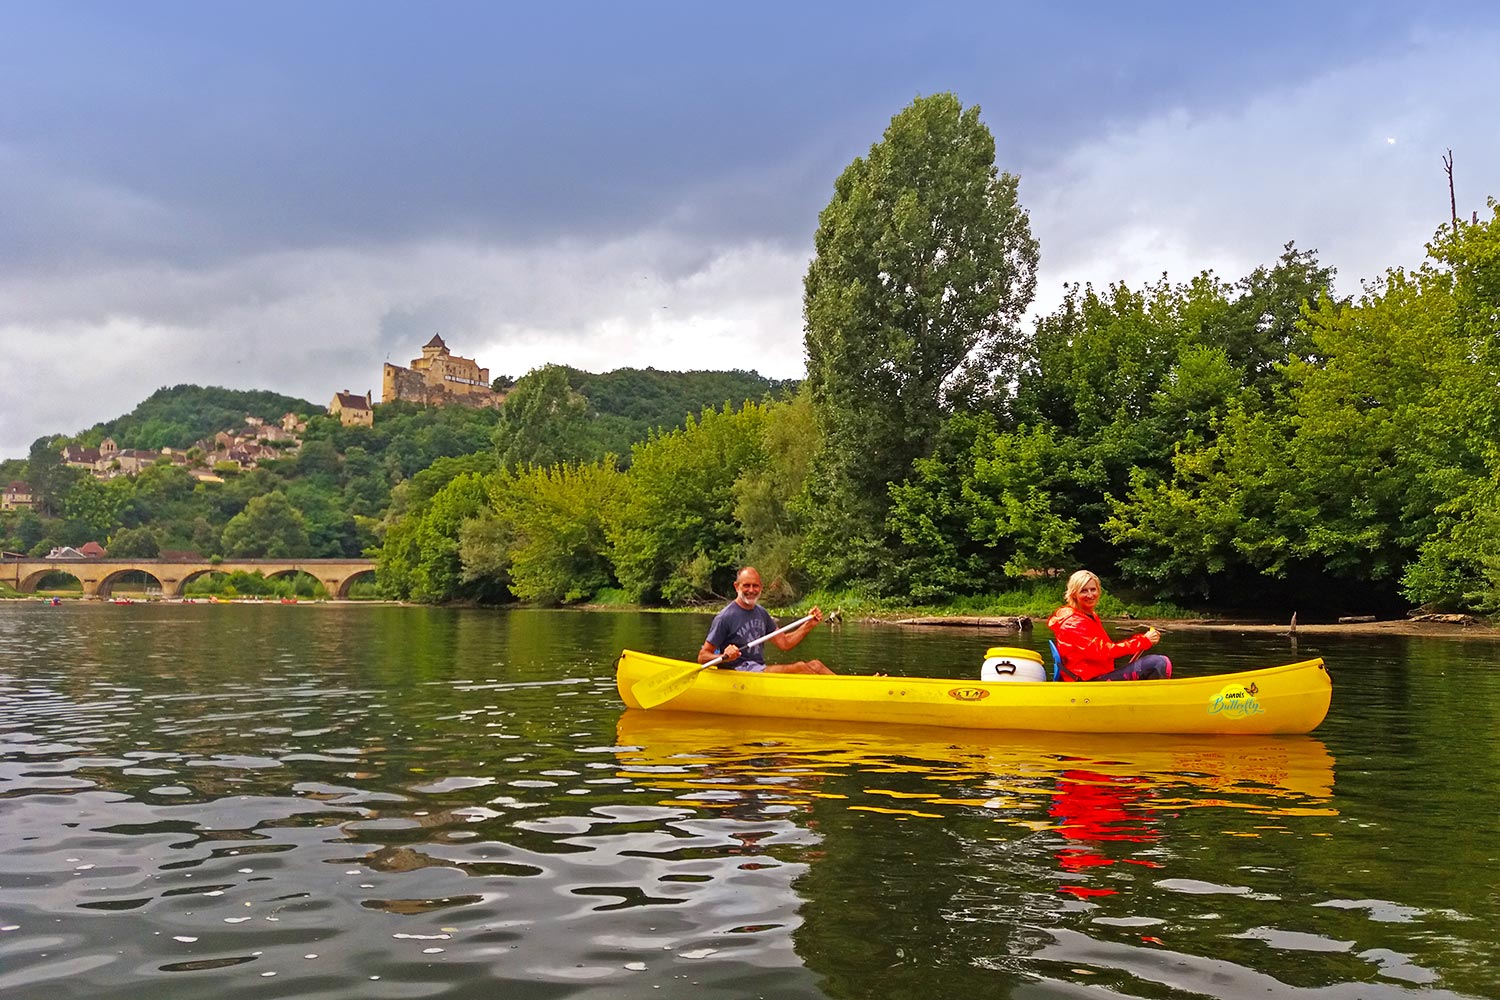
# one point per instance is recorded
(670, 683)
(1141, 629)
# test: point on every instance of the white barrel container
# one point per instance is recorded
(1004, 663)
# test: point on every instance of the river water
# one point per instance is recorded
(363, 802)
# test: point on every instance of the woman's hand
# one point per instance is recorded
(1152, 636)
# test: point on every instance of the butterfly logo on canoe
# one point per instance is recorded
(1236, 701)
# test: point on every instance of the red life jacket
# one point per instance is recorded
(1086, 648)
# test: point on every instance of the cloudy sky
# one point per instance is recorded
(277, 195)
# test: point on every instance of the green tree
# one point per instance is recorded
(1458, 434)
(550, 524)
(674, 536)
(30, 531)
(161, 494)
(985, 507)
(319, 460)
(924, 265)
(1132, 381)
(134, 543)
(420, 557)
(331, 531)
(765, 498)
(543, 421)
(1115, 377)
(1263, 327)
(366, 491)
(268, 528)
(437, 574)
(484, 550)
(92, 507)
(49, 478)
(414, 494)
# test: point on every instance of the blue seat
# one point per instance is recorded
(1056, 659)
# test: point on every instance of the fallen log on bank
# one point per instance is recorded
(1015, 623)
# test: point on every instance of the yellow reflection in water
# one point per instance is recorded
(1009, 772)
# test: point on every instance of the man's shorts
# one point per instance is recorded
(753, 668)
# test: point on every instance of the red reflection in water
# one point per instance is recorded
(1099, 808)
(1084, 892)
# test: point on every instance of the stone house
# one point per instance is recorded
(352, 410)
(79, 457)
(17, 496)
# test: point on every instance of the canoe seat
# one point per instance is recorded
(1057, 663)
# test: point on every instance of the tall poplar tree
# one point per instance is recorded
(925, 262)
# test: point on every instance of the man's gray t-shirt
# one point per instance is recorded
(737, 626)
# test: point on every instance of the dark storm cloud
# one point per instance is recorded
(243, 128)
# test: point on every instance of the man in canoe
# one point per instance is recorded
(743, 621)
(1088, 654)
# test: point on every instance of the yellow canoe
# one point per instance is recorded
(1288, 699)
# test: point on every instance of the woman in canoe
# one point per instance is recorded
(1088, 654)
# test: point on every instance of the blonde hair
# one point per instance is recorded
(1077, 582)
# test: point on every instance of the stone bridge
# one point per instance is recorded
(99, 575)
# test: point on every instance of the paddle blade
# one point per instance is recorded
(665, 686)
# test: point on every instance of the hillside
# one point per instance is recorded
(652, 399)
(177, 416)
(331, 495)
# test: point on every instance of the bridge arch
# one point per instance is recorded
(107, 582)
(192, 574)
(28, 583)
(343, 588)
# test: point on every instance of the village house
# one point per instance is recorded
(130, 461)
(352, 410)
(17, 496)
(288, 428)
(88, 550)
(79, 457)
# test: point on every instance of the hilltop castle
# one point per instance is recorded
(439, 378)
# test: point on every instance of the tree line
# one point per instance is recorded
(1252, 441)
